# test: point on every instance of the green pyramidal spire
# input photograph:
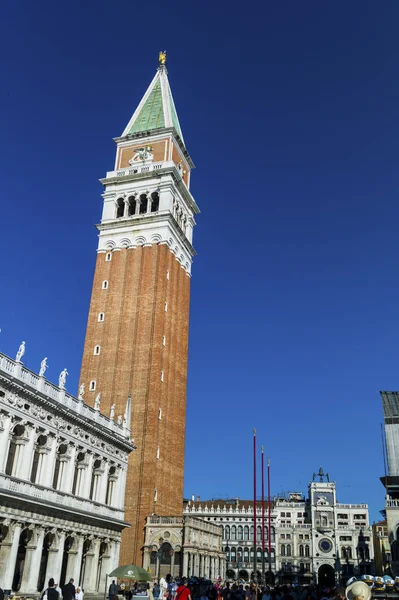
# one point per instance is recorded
(157, 108)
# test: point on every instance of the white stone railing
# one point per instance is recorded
(165, 520)
(392, 503)
(338, 506)
(58, 498)
(139, 168)
(40, 384)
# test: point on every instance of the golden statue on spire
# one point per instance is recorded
(162, 58)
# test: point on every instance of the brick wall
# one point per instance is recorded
(131, 360)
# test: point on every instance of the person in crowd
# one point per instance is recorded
(163, 588)
(57, 587)
(266, 594)
(183, 591)
(155, 590)
(339, 593)
(358, 590)
(68, 592)
(51, 593)
(112, 590)
(226, 593)
(79, 593)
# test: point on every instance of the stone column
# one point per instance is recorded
(172, 564)
(48, 465)
(85, 484)
(55, 556)
(185, 563)
(66, 481)
(33, 558)
(102, 484)
(91, 568)
(4, 442)
(197, 564)
(75, 560)
(147, 558)
(8, 556)
(26, 455)
(106, 567)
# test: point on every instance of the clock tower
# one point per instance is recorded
(137, 331)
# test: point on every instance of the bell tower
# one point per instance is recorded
(137, 331)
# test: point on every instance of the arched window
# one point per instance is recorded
(120, 208)
(154, 202)
(97, 350)
(233, 532)
(95, 479)
(227, 550)
(307, 550)
(227, 532)
(273, 532)
(104, 285)
(233, 554)
(132, 206)
(92, 385)
(282, 550)
(251, 533)
(108, 257)
(259, 532)
(288, 549)
(14, 450)
(110, 485)
(246, 554)
(301, 550)
(143, 204)
(324, 521)
(246, 532)
(77, 475)
(60, 459)
(38, 458)
(100, 317)
(240, 533)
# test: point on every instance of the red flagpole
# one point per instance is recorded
(263, 515)
(255, 505)
(269, 514)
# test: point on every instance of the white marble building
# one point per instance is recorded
(184, 546)
(62, 481)
(312, 539)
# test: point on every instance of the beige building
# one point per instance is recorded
(382, 548)
(184, 546)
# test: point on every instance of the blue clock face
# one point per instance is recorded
(325, 545)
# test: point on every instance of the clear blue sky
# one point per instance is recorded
(290, 111)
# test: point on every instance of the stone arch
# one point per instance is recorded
(110, 244)
(125, 242)
(140, 240)
(326, 576)
(155, 238)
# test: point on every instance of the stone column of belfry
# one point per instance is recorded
(137, 331)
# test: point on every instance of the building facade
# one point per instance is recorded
(311, 539)
(137, 331)
(184, 546)
(63, 472)
(390, 404)
(382, 549)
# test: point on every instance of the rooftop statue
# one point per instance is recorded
(62, 379)
(43, 367)
(21, 352)
(162, 58)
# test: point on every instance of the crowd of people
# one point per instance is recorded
(200, 589)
